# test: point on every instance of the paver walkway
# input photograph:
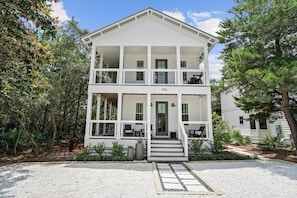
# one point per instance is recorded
(176, 177)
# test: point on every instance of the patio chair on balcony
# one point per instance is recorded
(128, 131)
(196, 79)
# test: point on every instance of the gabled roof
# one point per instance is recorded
(212, 40)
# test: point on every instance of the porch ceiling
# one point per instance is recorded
(111, 97)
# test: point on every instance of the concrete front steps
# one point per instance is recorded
(167, 151)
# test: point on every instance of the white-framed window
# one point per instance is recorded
(263, 123)
(185, 112)
(253, 124)
(139, 111)
(140, 64)
(139, 75)
(241, 120)
(183, 64)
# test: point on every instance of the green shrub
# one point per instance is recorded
(197, 147)
(117, 152)
(272, 142)
(83, 154)
(99, 149)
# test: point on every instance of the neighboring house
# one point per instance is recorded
(256, 129)
(146, 81)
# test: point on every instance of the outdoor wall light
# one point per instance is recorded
(172, 105)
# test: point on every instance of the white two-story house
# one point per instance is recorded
(149, 79)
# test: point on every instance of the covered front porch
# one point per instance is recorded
(126, 117)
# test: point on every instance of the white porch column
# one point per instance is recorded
(149, 65)
(121, 65)
(178, 65)
(92, 66)
(100, 67)
(88, 117)
(209, 117)
(98, 113)
(206, 65)
(104, 118)
(179, 112)
(119, 117)
(148, 124)
(110, 111)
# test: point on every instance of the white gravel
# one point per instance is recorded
(250, 179)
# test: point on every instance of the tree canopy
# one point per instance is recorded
(43, 76)
(260, 57)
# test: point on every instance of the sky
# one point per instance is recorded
(202, 14)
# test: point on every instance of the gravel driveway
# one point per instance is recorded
(135, 180)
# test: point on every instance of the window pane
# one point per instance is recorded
(140, 64)
(263, 124)
(253, 124)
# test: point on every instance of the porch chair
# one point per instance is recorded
(128, 131)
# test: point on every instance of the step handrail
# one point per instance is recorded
(184, 138)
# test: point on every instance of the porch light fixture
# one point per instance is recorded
(172, 105)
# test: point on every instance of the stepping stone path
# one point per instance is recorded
(176, 177)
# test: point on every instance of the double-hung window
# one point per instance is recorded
(140, 65)
(139, 111)
(185, 112)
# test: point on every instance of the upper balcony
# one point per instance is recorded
(150, 65)
(149, 77)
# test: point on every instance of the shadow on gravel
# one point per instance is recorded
(9, 176)
(135, 166)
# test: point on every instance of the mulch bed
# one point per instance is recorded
(275, 153)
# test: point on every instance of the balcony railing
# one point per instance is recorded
(133, 129)
(103, 128)
(188, 77)
(197, 129)
(109, 76)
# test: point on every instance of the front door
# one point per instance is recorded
(161, 77)
(162, 118)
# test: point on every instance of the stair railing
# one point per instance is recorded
(184, 138)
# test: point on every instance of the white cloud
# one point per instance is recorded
(215, 66)
(177, 15)
(205, 21)
(59, 11)
(210, 26)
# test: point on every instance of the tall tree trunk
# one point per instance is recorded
(54, 130)
(290, 117)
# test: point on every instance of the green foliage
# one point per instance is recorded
(273, 142)
(197, 147)
(100, 148)
(83, 154)
(224, 135)
(222, 156)
(238, 139)
(117, 152)
(260, 57)
(220, 132)
(139, 140)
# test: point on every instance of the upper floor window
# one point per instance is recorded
(183, 64)
(140, 64)
(139, 111)
(185, 112)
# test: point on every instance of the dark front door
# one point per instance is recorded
(162, 118)
(161, 77)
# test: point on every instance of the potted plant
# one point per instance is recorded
(139, 150)
(130, 153)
